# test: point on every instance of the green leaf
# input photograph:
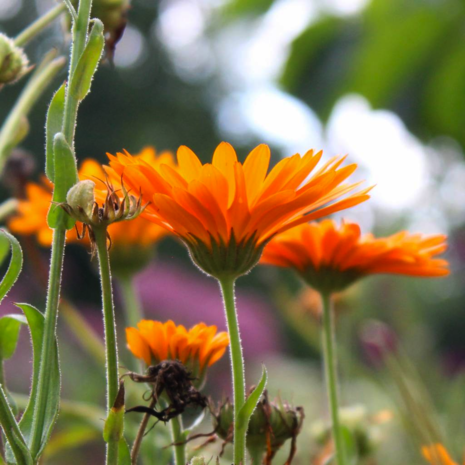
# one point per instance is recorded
(54, 125)
(16, 263)
(65, 164)
(124, 455)
(247, 409)
(88, 62)
(9, 332)
(35, 321)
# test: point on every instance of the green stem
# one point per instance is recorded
(178, 438)
(39, 25)
(12, 431)
(237, 365)
(330, 359)
(80, 30)
(108, 316)
(132, 307)
(49, 338)
(112, 453)
(33, 90)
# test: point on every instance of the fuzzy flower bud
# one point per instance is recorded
(271, 425)
(13, 61)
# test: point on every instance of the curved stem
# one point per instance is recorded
(39, 25)
(140, 434)
(108, 316)
(237, 365)
(33, 90)
(132, 307)
(330, 359)
(49, 337)
(177, 437)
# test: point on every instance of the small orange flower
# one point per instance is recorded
(331, 258)
(32, 212)
(198, 347)
(225, 211)
(436, 454)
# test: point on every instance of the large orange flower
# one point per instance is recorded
(436, 454)
(330, 258)
(225, 211)
(32, 212)
(198, 347)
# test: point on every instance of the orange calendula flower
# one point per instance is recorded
(330, 258)
(436, 454)
(32, 212)
(198, 347)
(225, 211)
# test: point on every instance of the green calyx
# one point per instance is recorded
(13, 61)
(328, 280)
(271, 425)
(222, 260)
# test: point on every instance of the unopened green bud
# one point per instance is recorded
(13, 61)
(81, 199)
(270, 426)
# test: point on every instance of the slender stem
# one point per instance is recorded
(178, 439)
(140, 434)
(112, 453)
(80, 29)
(84, 333)
(108, 316)
(33, 90)
(49, 337)
(39, 25)
(132, 307)
(12, 431)
(330, 359)
(237, 365)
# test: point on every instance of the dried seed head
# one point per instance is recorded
(13, 61)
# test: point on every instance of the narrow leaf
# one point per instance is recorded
(350, 446)
(87, 64)
(9, 332)
(65, 164)
(124, 455)
(251, 403)
(35, 321)
(16, 263)
(54, 125)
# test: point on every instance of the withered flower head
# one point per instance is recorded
(271, 425)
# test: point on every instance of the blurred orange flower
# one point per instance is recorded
(330, 258)
(226, 207)
(436, 454)
(32, 212)
(198, 347)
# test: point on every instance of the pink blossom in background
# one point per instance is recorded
(168, 291)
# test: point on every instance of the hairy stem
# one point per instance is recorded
(178, 439)
(330, 359)
(50, 321)
(111, 349)
(237, 365)
(39, 25)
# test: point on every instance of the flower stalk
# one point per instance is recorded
(178, 440)
(237, 366)
(39, 25)
(330, 360)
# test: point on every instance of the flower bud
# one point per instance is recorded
(271, 425)
(13, 61)
(81, 199)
